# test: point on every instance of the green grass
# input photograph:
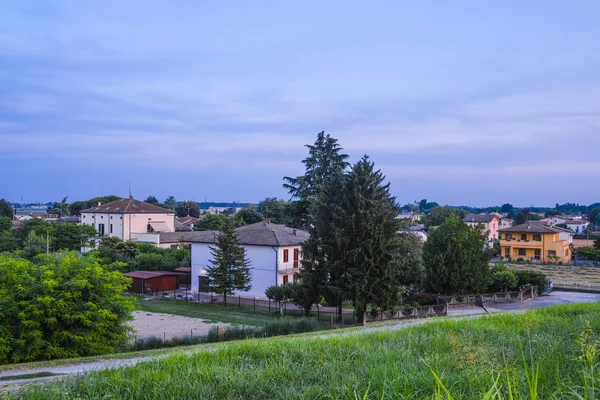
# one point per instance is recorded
(42, 374)
(528, 355)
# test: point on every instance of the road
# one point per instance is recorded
(555, 298)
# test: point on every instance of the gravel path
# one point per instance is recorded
(470, 312)
(168, 326)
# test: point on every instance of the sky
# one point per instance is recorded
(464, 103)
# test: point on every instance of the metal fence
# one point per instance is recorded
(576, 286)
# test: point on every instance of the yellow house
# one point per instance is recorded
(536, 242)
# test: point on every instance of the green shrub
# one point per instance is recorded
(533, 278)
(520, 260)
(421, 299)
(502, 280)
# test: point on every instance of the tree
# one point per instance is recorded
(8, 242)
(229, 211)
(152, 200)
(230, 268)
(170, 203)
(439, 214)
(456, 259)
(324, 159)
(188, 208)
(369, 237)
(593, 217)
(5, 223)
(507, 208)
(67, 306)
(409, 262)
(210, 222)
(70, 236)
(6, 209)
(249, 215)
(278, 211)
(551, 213)
(34, 245)
(521, 218)
(279, 294)
(61, 209)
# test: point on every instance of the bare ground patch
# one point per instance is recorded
(168, 326)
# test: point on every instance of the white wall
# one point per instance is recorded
(263, 266)
(121, 223)
(95, 219)
(287, 265)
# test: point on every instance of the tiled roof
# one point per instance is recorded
(176, 237)
(533, 226)
(259, 234)
(576, 222)
(480, 218)
(128, 206)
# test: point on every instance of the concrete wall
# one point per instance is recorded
(263, 265)
(124, 224)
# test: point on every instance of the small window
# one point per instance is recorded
(507, 252)
(286, 255)
(101, 229)
(110, 228)
(84, 216)
(285, 279)
(537, 237)
(551, 253)
(102, 217)
(523, 236)
(537, 254)
(509, 236)
(522, 252)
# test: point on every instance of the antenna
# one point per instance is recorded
(130, 190)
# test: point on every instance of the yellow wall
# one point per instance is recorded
(549, 242)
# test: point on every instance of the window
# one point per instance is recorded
(507, 252)
(296, 255)
(102, 217)
(286, 255)
(566, 252)
(84, 216)
(522, 252)
(149, 229)
(101, 229)
(110, 228)
(537, 254)
(523, 236)
(551, 253)
(295, 277)
(285, 279)
(509, 236)
(537, 237)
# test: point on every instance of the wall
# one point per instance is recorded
(263, 265)
(549, 242)
(289, 266)
(138, 223)
(95, 219)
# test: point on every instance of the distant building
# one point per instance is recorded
(577, 225)
(536, 241)
(273, 251)
(185, 223)
(129, 219)
(489, 222)
(505, 222)
(413, 217)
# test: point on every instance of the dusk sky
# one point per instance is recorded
(466, 102)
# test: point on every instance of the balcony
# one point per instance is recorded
(288, 267)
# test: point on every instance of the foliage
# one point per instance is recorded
(409, 262)
(61, 235)
(426, 206)
(507, 208)
(551, 213)
(439, 214)
(422, 299)
(6, 209)
(324, 160)
(8, 241)
(188, 208)
(249, 215)
(455, 259)
(62, 306)
(533, 278)
(230, 268)
(526, 215)
(61, 209)
(34, 245)
(211, 222)
(152, 200)
(502, 279)
(76, 207)
(170, 203)
(278, 211)
(469, 356)
(593, 216)
(589, 253)
(5, 223)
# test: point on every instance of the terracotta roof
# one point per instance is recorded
(259, 234)
(480, 218)
(176, 237)
(187, 220)
(128, 206)
(535, 227)
(150, 274)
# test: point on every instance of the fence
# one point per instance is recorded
(406, 313)
(576, 286)
(505, 297)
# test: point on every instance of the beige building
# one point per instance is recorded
(129, 219)
(489, 222)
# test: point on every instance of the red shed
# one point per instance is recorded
(152, 281)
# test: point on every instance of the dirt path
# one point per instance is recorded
(168, 326)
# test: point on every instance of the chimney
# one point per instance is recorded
(294, 232)
(99, 204)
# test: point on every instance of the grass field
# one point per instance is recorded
(564, 273)
(533, 355)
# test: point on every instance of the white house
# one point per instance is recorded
(577, 225)
(272, 250)
(555, 220)
(129, 219)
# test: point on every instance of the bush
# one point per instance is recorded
(532, 278)
(502, 280)
(520, 260)
(421, 299)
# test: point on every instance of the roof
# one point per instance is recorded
(150, 274)
(176, 237)
(535, 227)
(187, 220)
(128, 206)
(183, 269)
(259, 234)
(480, 218)
(576, 222)
(68, 219)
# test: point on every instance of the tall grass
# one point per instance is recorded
(543, 354)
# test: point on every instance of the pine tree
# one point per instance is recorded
(366, 230)
(230, 268)
(324, 160)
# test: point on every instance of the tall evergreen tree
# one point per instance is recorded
(366, 229)
(152, 200)
(324, 160)
(230, 268)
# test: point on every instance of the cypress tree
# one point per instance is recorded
(230, 268)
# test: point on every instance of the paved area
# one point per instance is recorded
(554, 298)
